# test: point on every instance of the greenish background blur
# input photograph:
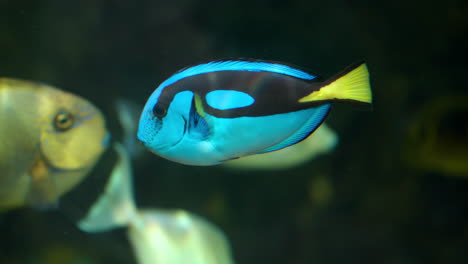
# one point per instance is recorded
(385, 195)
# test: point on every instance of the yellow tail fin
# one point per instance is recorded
(353, 84)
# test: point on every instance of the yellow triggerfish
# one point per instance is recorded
(50, 139)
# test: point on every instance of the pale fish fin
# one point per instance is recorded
(177, 237)
(115, 207)
(128, 113)
(321, 142)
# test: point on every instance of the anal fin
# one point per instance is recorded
(308, 128)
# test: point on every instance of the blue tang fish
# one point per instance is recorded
(222, 110)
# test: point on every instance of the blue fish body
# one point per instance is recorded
(218, 111)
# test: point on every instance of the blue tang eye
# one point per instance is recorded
(159, 111)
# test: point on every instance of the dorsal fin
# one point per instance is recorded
(237, 65)
(11, 83)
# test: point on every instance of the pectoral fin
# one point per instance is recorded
(197, 125)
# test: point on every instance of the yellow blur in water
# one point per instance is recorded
(50, 139)
(437, 138)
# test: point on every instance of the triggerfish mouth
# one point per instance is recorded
(223, 110)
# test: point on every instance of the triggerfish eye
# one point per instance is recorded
(63, 121)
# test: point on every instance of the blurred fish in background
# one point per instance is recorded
(177, 237)
(157, 236)
(323, 141)
(50, 140)
(55, 142)
(437, 138)
(114, 206)
(128, 113)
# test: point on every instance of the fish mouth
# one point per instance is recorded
(44, 192)
(166, 147)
